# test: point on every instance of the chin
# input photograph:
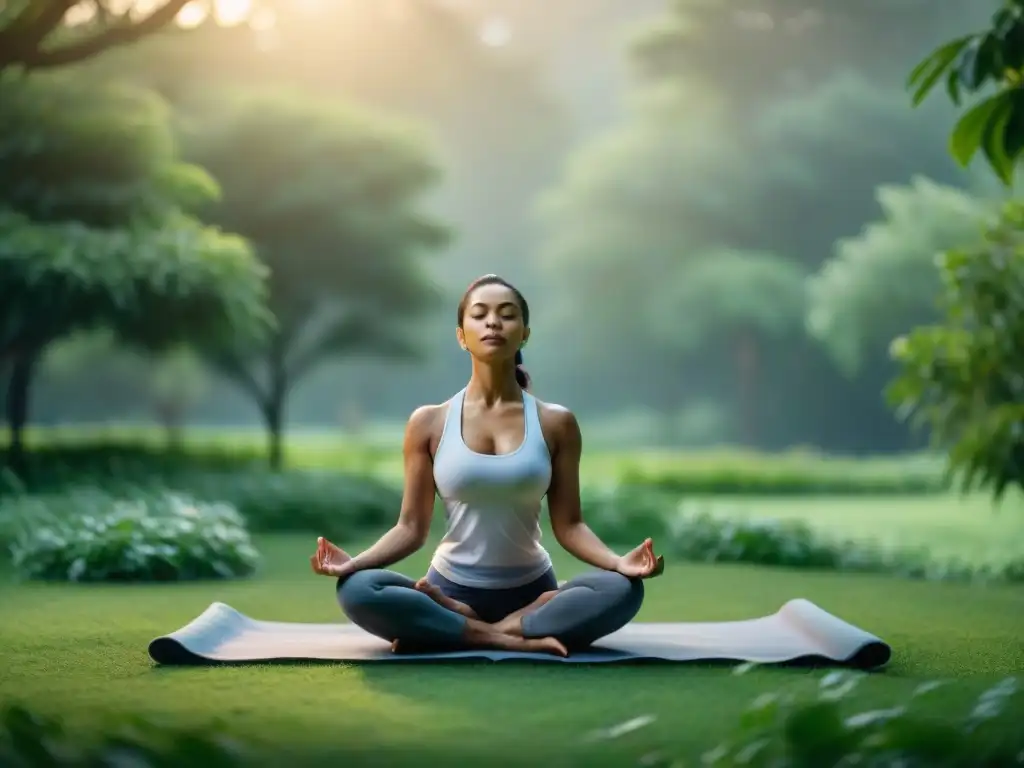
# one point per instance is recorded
(494, 354)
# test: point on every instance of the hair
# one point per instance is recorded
(521, 375)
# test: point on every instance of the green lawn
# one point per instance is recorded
(80, 651)
(948, 525)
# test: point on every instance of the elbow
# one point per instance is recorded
(563, 533)
(416, 534)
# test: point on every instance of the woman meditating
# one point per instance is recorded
(491, 453)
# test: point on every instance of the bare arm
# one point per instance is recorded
(410, 532)
(567, 522)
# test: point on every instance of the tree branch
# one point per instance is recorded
(29, 53)
(235, 369)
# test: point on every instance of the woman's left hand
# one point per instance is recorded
(641, 563)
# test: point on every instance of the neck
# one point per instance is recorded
(494, 383)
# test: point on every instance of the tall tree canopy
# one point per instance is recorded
(331, 197)
(885, 280)
(94, 231)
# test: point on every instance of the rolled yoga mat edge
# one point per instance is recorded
(799, 632)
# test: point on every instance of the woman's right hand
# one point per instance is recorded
(329, 559)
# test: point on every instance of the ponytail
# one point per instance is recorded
(521, 375)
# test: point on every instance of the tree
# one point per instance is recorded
(168, 383)
(972, 63)
(330, 197)
(791, 45)
(963, 377)
(93, 232)
(35, 34)
(884, 281)
(734, 300)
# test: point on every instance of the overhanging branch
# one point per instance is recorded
(26, 49)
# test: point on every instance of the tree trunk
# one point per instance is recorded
(273, 409)
(16, 408)
(747, 364)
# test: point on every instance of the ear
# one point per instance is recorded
(526, 334)
(461, 337)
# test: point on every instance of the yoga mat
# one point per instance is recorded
(799, 631)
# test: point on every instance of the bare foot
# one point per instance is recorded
(513, 623)
(497, 640)
(439, 597)
(545, 645)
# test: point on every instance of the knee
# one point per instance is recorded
(626, 595)
(360, 589)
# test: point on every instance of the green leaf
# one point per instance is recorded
(953, 86)
(1013, 141)
(993, 141)
(928, 71)
(969, 130)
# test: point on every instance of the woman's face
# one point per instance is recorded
(492, 325)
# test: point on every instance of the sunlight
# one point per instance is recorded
(192, 15)
(231, 12)
(495, 32)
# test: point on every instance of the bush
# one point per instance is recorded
(784, 730)
(696, 532)
(88, 535)
(28, 739)
(789, 476)
(328, 503)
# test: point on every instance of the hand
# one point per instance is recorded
(329, 560)
(641, 563)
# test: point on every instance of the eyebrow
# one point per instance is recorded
(500, 306)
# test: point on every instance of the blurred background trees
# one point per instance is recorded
(736, 236)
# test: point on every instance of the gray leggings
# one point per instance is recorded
(586, 608)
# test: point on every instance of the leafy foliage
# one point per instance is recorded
(339, 246)
(700, 532)
(94, 231)
(335, 504)
(963, 378)
(29, 739)
(974, 63)
(90, 535)
(885, 280)
(725, 292)
(793, 728)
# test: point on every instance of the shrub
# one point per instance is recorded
(89, 535)
(785, 730)
(329, 503)
(326, 503)
(698, 532)
(781, 476)
(29, 739)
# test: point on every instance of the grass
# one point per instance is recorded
(80, 652)
(950, 526)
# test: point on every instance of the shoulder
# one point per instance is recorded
(560, 425)
(425, 423)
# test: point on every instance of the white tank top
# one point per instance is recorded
(492, 505)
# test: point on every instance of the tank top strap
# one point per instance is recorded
(534, 432)
(451, 432)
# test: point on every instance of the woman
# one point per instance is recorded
(491, 453)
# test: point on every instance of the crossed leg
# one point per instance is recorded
(389, 605)
(578, 613)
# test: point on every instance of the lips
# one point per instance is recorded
(492, 339)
